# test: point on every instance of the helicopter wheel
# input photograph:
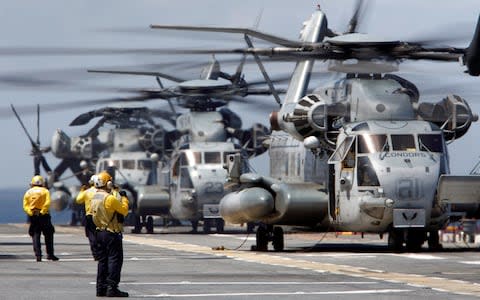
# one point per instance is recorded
(395, 240)
(73, 220)
(137, 225)
(415, 240)
(262, 239)
(149, 225)
(220, 225)
(278, 239)
(434, 241)
(194, 226)
(206, 225)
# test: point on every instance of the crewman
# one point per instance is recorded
(85, 197)
(105, 209)
(36, 204)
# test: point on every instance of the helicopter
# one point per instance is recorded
(361, 154)
(189, 184)
(128, 139)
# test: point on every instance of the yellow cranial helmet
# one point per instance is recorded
(37, 180)
(103, 179)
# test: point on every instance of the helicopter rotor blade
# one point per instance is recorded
(38, 157)
(246, 31)
(264, 72)
(38, 124)
(352, 25)
(140, 73)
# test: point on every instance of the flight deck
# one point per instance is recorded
(174, 263)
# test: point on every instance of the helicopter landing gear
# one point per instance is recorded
(194, 226)
(415, 239)
(219, 225)
(139, 222)
(412, 238)
(250, 227)
(137, 225)
(206, 225)
(434, 241)
(278, 240)
(395, 240)
(267, 233)
(149, 225)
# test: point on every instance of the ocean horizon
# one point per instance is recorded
(12, 208)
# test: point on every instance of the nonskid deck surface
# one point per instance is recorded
(174, 263)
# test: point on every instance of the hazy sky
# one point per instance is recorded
(93, 24)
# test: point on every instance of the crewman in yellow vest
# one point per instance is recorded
(85, 197)
(105, 211)
(36, 204)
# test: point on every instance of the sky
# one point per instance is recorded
(116, 24)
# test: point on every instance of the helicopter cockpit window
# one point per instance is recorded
(144, 164)
(371, 143)
(185, 180)
(366, 175)
(190, 158)
(113, 163)
(403, 142)
(342, 150)
(128, 164)
(213, 158)
(430, 142)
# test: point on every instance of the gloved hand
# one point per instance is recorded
(123, 193)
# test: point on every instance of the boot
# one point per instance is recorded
(101, 292)
(113, 291)
(52, 257)
(39, 258)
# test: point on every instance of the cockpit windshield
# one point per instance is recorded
(430, 142)
(190, 158)
(371, 143)
(144, 164)
(403, 142)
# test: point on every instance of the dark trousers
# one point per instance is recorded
(110, 259)
(91, 234)
(38, 225)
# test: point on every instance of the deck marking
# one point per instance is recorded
(448, 285)
(224, 295)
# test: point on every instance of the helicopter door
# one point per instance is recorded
(341, 162)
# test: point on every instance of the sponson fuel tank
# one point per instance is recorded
(279, 203)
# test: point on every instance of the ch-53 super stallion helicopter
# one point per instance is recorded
(138, 150)
(189, 184)
(128, 140)
(362, 154)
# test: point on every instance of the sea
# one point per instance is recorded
(12, 208)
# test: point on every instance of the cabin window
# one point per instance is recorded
(430, 142)
(366, 175)
(144, 164)
(128, 164)
(213, 158)
(371, 143)
(403, 142)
